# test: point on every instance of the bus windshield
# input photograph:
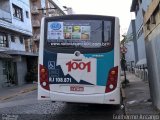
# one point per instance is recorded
(79, 33)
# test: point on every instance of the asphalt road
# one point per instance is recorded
(27, 107)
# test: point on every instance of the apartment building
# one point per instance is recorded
(148, 36)
(15, 29)
(131, 45)
(139, 7)
(152, 42)
(39, 9)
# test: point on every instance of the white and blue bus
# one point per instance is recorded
(79, 59)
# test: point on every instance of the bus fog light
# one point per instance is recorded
(111, 86)
(44, 83)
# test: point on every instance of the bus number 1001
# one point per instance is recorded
(81, 66)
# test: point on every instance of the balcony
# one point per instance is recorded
(151, 9)
(35, 23)
(36, 37)
(6, 16)
(51, 11)
(151, 17)
(33, 0)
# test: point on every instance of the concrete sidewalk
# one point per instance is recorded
(137, 94)
(10, 92)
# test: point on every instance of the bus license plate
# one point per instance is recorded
(76, 88)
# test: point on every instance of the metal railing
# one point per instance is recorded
(141, 72)
(36, 37)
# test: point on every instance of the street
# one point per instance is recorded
(27, 107)
(20, 103)
(75, 51)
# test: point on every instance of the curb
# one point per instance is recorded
(28, 90)
(18, 93)
(124, 100)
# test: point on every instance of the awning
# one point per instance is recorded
(5, 56)
(142, 62)
(23, 53)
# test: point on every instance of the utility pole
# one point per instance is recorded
(123, 65)
(123, 60)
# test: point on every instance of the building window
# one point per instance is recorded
(3, 40)
(17, 12)
(27, 14)
(12, 38)
(136, 9)
(21, 39)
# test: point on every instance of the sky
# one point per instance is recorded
(118, 8)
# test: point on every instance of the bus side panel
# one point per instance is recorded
(42, 93)
(116, 94)
(117, 49)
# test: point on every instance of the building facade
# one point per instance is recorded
(15, 29)
(139, 7)
(152, 42)
(131, 45)
(39, 9)
(19, 37)
(148, 39)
